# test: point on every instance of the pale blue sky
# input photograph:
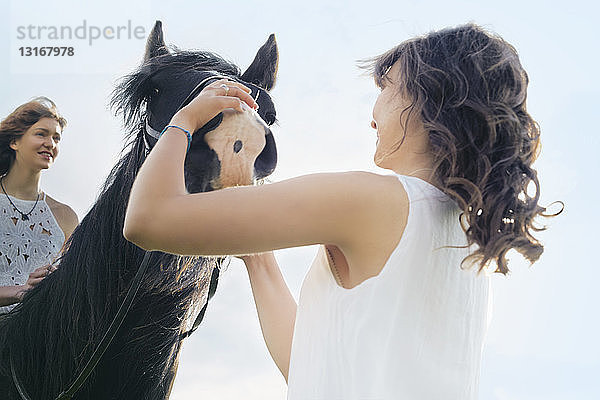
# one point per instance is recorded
(542, 342)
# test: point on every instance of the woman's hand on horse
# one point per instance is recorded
(35, 277)
(213, 99)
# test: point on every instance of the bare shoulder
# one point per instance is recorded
(376, 208)
(373, 202)
(374, 187)
(65, 216)
(385, 194)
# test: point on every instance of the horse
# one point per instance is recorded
(48, 339)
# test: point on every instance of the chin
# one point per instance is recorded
(45, 166)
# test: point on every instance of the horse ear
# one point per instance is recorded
(263, 70)
(155, 46)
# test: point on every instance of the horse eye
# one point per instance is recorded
(270, 118)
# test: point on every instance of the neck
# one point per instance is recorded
(419, 165)
(22, 183)
(422, 173)
(412, 157)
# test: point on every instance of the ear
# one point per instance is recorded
(13, 144)
(155, 46)
(263, 70)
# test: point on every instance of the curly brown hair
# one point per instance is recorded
(469, 88)
(19, 121)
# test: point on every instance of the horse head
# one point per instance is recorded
(234, 148)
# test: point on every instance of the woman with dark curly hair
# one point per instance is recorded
(395, 304)
(33, 226)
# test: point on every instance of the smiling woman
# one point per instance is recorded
(33, 226)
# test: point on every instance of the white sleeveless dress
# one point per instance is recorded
(415, 331)
(26, 245)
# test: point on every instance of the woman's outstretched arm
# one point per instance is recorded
(275, 305)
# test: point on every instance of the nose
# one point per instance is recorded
(49, 142)
(373, 124)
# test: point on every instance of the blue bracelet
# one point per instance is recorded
(187, 133)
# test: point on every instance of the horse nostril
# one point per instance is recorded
(237, 146)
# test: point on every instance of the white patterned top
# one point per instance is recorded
(26, 245)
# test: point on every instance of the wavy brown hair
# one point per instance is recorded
(19, 121)
(469, 88)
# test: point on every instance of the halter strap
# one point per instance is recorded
(151, 131)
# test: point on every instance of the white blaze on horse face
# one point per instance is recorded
(238, 141)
